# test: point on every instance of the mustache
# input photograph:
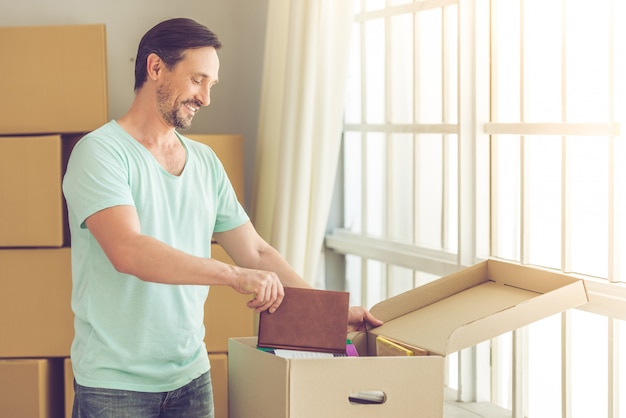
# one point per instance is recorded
(196, 103)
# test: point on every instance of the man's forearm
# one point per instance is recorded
(154, 261)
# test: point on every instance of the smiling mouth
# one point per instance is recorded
(192, 108)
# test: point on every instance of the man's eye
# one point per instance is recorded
(195, 81)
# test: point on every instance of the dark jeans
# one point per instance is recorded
(194, 400)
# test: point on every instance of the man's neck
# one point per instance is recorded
(147, 128)
(157, 137)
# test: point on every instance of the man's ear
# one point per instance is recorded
(154, 66)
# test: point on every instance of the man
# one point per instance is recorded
(144, 202)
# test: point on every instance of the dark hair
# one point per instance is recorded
(169, 40)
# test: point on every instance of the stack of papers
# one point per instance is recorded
(301, 354)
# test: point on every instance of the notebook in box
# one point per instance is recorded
(307, 319)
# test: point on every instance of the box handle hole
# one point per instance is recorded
(368, 397)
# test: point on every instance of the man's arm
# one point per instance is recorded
(246, 247)
(117, 230)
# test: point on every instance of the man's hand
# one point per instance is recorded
(264, 285)
(358, 317)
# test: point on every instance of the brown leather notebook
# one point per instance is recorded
(307, 319)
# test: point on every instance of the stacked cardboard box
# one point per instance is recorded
(54, 89)
(30, 388)
(53, 79)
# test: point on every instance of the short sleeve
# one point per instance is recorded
(96, 178)
(230, 212)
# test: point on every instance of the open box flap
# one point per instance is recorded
(404, 303)
(520, 315)
(537, 279)
(476, 304)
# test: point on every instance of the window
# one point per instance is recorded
(401, 145)
(557, 100)
(493, 128)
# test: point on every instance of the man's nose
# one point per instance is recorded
(204, 96)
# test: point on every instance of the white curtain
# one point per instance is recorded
(300, 125)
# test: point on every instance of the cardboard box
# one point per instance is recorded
(68, 141)
(36, 318)
(31, 388)
(226, 314)
(31, 213)
(229, 149)
(68, 378)
(53, 80)
(447, 315)
(219, 379)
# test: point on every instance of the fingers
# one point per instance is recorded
(268, 292)
(359, 318)
(372, 320)
(268, 301)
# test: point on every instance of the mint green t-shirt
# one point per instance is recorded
(131, 334)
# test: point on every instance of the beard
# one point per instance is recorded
(172, 113)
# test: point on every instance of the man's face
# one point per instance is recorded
(187, 86)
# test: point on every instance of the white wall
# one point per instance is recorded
(240, 25)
